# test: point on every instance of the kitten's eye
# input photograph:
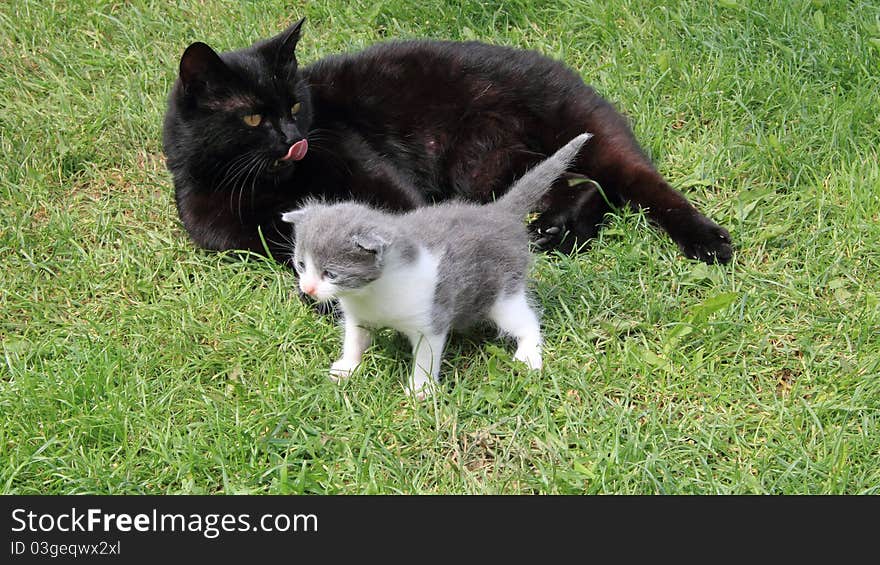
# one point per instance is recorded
(253, 120)
(329, 275)
(300, 266)
(295, 109)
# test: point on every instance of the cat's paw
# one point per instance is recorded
(531, 356)
(704, 240)
(420, 389)
(341, 370)
(572, 219)
(548, 232)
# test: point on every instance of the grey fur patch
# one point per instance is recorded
(372, 242)
(483, 249)
(293, 216)
(525, 192)
(329, 233)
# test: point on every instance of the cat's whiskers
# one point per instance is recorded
(284, 243)
(262, 165)
(224, 168)
(318, 131)
(252, 172)
(234, 169)
(237, 180)
(315, 145)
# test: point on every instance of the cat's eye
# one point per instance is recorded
(295, 109)
(329, 275)
(253, 120)
(300, 266)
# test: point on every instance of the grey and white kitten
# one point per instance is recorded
(428, 271)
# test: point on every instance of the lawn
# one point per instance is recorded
(133, 362)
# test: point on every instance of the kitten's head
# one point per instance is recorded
(339, 249)
(244, 113)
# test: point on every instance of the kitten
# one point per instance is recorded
(249, 134)
(428, 271)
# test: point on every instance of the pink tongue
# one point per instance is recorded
(297, 151)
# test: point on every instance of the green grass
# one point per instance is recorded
(134, 363)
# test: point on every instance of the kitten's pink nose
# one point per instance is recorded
(309, 288)
(297, 151)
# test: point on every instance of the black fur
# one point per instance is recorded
(400, 125)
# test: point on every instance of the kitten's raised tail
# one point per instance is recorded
(525, 193)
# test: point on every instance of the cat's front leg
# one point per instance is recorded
(427, 352)
(355, 341)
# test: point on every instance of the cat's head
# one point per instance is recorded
(244, 113)
(339, 248)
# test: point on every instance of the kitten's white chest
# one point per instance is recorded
(402, 298)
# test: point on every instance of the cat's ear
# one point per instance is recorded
(290, 37)
(279, 50)
(201, 66)
(294, 216)
(371, 242)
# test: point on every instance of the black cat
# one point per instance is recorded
(248, 135)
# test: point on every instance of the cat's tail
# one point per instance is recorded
(525, 193)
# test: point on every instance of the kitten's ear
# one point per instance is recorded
(294, 216)
(201, 66)
(371, 243)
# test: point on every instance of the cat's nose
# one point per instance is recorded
(290, 133)
(295, 142)
(309, 287)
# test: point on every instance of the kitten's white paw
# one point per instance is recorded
(341, 370)
(531, 356)
(420, 390)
